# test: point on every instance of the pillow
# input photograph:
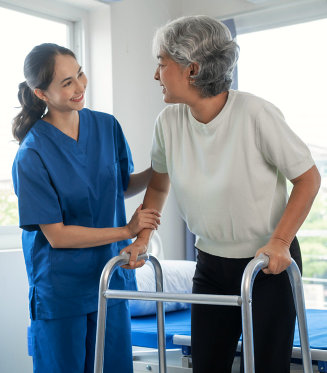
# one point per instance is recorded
(177, 278)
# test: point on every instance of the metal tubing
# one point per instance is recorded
(298, 295)
(245, 301)
(102, 306)
(222, 300)
(249, 275)
(248, 278)
(160, 315)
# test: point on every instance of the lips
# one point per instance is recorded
(78, 98)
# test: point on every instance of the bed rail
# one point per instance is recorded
(244, 301)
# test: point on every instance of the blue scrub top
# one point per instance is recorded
(58, 179)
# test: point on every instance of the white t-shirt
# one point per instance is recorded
(229, 175)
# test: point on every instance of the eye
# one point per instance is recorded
(67, 84)
(80, 74)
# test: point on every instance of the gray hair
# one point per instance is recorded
(202, 40)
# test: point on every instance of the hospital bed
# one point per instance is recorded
(244, 301)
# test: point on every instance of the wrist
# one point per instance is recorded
(280, 241)
(141, 242)
(127, 234)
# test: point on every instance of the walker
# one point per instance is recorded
(244, 301)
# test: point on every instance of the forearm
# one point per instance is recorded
(302, 196)
(78, 237)
(155, 197)
(138, 182)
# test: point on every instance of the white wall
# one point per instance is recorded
(137, 98)
(14, 317)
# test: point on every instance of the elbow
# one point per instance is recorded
(56, 243)
(316, 182)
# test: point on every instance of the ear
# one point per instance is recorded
(40, 94)
(194, 69)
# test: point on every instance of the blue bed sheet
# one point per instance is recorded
(144, 329)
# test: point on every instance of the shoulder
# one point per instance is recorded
(252, 104)
(27, 157)
(97, 116)
(172, 110)
(32, 144)
(172, 114)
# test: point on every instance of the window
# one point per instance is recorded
(286, 65)
(23, 31)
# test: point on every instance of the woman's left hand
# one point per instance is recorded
(279, 256)
(135, 249)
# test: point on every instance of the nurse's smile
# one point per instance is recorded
(79, 98)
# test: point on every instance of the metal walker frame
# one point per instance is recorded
(244, 301)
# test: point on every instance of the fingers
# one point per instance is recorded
(139, 208)
(134, 253)
(152, 211)
(147, 218)
(276, 266)
(138, 264)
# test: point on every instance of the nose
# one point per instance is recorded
(156, 74)
(81, 84)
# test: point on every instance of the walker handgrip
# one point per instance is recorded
(126, 256)
(264, 258)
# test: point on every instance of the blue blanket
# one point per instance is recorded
(144, 329)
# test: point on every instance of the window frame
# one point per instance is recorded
(76, 20)
(280, 15)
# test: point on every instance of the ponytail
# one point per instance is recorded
(32, 109)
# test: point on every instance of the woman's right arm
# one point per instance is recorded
(73, 236)
(155, 198)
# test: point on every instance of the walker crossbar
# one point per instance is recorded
(244, 301)
(223, 300)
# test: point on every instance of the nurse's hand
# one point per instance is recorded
(137, 248)
(279, 256)
(147, 218)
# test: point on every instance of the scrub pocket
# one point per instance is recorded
(74, 272)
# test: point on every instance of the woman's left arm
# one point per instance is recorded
(138, 182)
(305, 189)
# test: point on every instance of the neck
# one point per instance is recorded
(205, 109)
(66, 122)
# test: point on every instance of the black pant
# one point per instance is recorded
(216, 329)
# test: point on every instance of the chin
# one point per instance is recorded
(169, 100)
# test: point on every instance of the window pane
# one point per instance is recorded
(22, 32)
(287, 67)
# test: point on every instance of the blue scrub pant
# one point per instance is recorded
(68, 345)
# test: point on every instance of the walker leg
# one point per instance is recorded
(298, 295)
(160, 316)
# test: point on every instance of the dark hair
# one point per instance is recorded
(38, 71)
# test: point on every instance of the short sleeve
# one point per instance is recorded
(37, 200)
(124, 156)
(158, 153)
(279, 145)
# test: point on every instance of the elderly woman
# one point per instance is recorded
(227, 155)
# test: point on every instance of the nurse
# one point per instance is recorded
(70, 174)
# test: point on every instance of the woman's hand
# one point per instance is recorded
(279, 256)
(138, 247)
(141, 219)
